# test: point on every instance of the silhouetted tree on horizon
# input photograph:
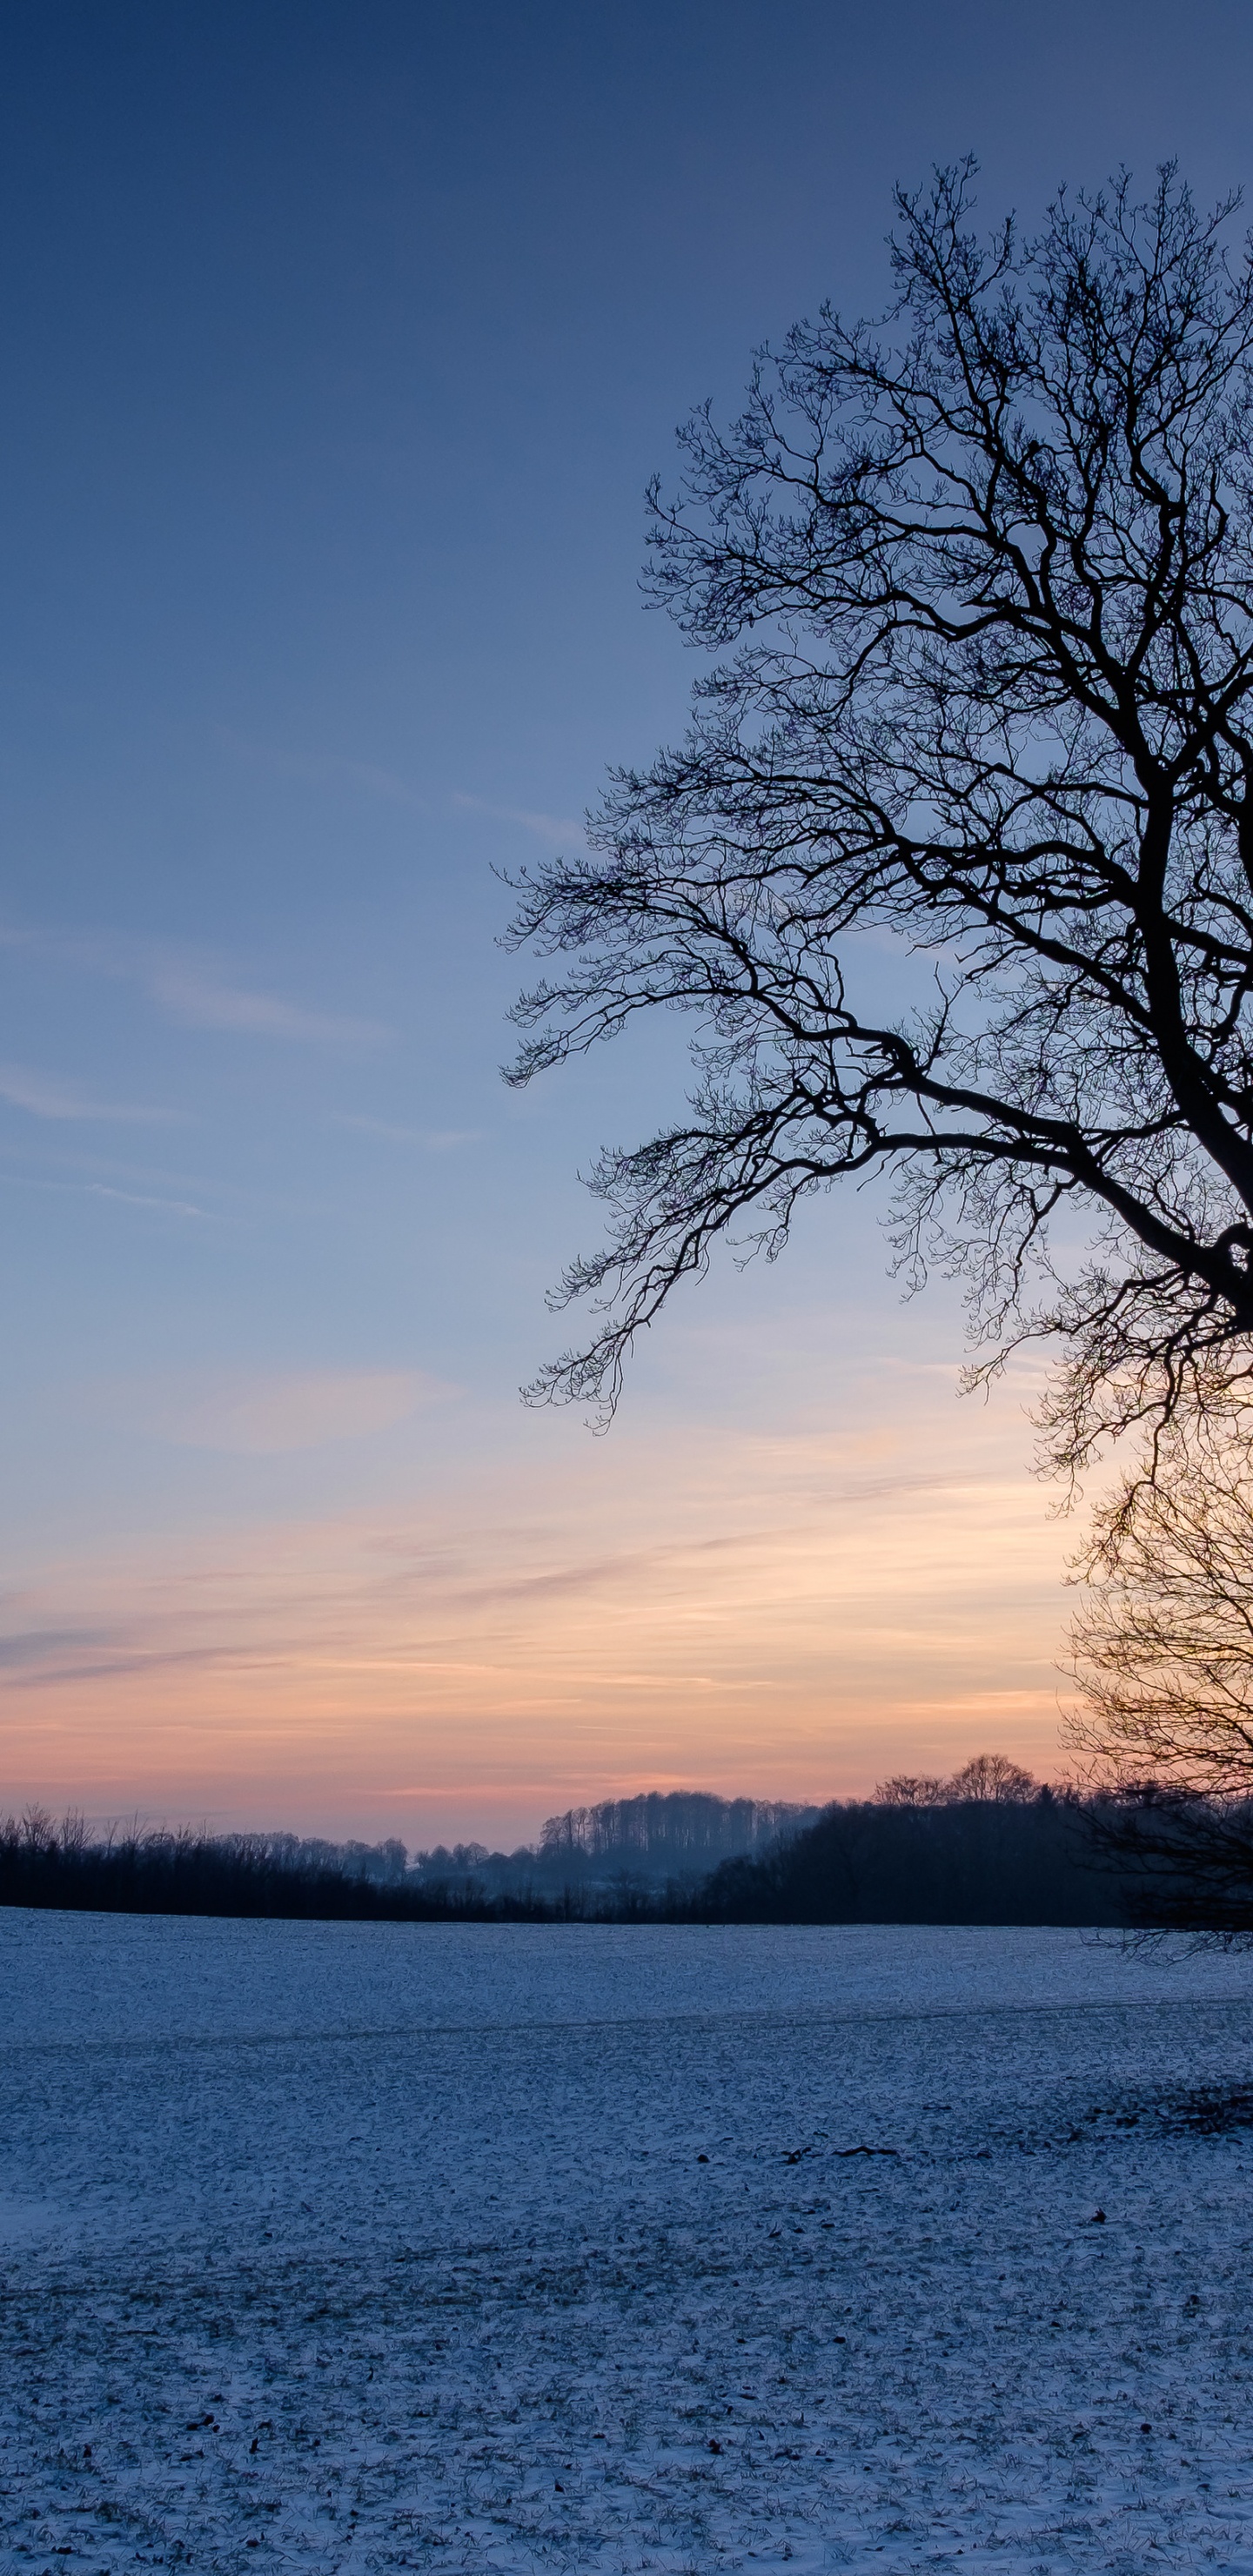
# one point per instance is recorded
(988, 1779)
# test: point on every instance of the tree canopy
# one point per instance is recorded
(981, 578)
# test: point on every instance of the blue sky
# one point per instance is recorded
(340, 344)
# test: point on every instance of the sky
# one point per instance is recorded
(340, 344)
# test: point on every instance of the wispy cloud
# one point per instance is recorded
(391, 787)
(76, 1171)
(433, 1140)
(36, 1648)
(198, 991)
(267, 1415)
(558, 830)
(46, 1096)
(200, 1002)
(385, 783)
(332, 769)
(141, 1199)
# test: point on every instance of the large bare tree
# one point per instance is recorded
(987, 570)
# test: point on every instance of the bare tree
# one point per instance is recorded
(988, 566)
(992, 1780)
(1163, 1641)
(988, 1779)
(1163, 1652)
(912, 1789)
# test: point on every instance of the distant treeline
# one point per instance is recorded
(964, 1861)
(669, 1833)
(157, 1872)
(988, 1846)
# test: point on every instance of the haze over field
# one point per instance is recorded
(341, 344)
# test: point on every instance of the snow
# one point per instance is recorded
(368, 2246)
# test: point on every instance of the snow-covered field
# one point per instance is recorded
(360, 2247)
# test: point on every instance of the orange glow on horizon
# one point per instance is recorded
(792, 1614)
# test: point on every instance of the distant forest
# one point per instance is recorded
(989, 1846)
